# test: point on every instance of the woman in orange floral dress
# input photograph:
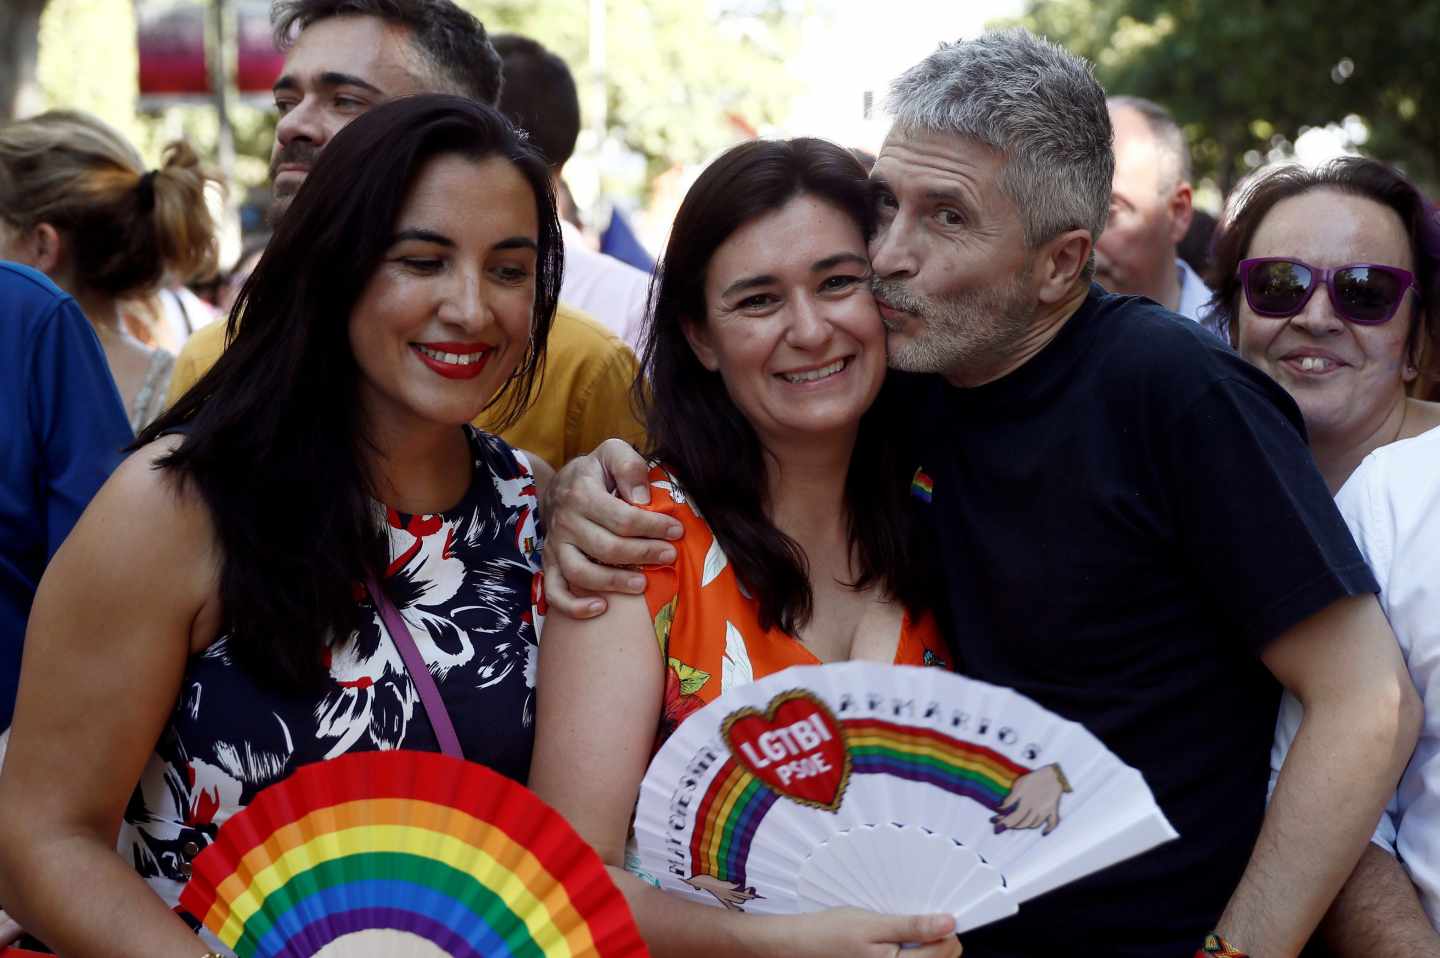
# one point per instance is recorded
(765, 360)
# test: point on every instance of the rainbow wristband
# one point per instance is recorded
(1217, 947)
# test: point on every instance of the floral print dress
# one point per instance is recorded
(463, 580)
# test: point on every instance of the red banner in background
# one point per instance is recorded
(259, 62)
(172, 48)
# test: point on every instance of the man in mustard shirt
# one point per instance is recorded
(340, 61)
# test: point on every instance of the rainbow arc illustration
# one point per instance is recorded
(801, 792)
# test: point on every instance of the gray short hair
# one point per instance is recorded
(1169, 138)
(1035, 102)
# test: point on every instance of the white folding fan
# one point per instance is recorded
(885, 787)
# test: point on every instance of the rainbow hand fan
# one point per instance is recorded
(406, 854)
(895, 788)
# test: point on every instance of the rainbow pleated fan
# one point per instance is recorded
(406, 854)
(899, 789)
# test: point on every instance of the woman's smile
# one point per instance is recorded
(455, 360)
(815, 375)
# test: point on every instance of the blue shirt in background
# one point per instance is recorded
(64, 429)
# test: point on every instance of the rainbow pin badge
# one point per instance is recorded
(922, 487)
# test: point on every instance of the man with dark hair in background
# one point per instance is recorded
(1150, 211)
(539, 96)
(344, 57)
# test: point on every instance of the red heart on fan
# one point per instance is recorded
(797, 748)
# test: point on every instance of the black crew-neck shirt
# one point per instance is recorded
(1124, 523)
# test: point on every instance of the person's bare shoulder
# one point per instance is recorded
(148, 535)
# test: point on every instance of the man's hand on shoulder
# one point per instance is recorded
(595, 537)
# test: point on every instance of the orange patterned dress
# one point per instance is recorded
(709, 630)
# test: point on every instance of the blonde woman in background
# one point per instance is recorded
(77, 203)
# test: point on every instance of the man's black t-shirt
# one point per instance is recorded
(1124, 523)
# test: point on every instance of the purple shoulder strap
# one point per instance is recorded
(415, 665)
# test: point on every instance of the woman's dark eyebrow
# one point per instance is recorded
(820, 265)
(423, 235)
(830, 262)
(749, 282)
(440, 239)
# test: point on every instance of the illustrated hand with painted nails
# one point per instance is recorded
(729, 894)
(1033, 801)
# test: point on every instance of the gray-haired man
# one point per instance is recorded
(1132, 531)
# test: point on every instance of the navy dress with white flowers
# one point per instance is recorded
(463, 582)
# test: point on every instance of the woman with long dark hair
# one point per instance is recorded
(218, 617)
(763, 353)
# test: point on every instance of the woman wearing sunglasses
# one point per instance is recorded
(1330, 280)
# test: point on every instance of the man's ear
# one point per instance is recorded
(1059, 263)
(699, 338)
(1182, 210)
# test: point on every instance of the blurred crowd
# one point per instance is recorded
(1178, 479)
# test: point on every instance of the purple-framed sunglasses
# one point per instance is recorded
(1365, 293)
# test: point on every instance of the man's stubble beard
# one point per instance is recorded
(296, 151)
(971, 330)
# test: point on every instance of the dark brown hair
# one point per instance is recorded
(451, 39)
(274, 439)
(539, 96)
(1355, 176)
(699, 434)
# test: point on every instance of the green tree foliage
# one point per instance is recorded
(1251, 75)
(81, 66)
(680, 77)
